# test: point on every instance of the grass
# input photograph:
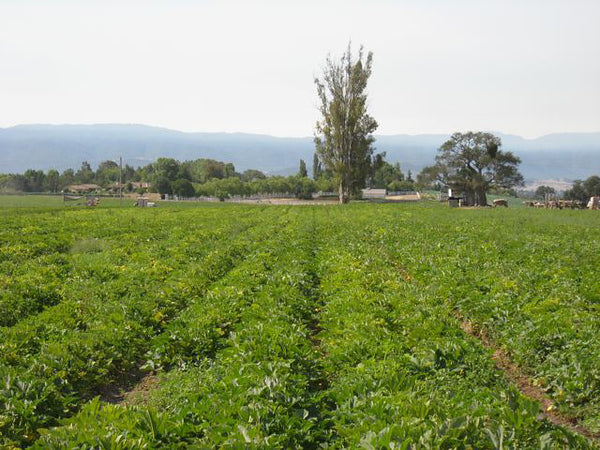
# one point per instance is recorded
(55, 201)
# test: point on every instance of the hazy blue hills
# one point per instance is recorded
(557, 156)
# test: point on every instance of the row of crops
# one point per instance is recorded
(297, 327)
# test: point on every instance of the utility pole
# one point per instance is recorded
(121, 180)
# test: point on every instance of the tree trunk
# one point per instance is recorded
(469, 198)
(480, 197)
(343, 192)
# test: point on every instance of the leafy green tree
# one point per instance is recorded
(13, 183)
(325, 184)
(317, 169)
(473, 163)
(542, 191)
(129, 173)
(305, 187)
(230, 186)
(592, 186)
(108, 172)
(583, 190)
(302, 172)
(34, 180)
(146, 173)
(203, 170)
(105, 165)
(384, 173)
(4, 181)
(167, 168)
(401, 185)
(252, 174)
(577, 192)
(229, 171)
(85, 174)
(376, 164)
(52, 181)
(183, 188)
(67, 178)
(343, 136)
(162, 185)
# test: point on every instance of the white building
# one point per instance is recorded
(373, 193)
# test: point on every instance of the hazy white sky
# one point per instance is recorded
(526, 67)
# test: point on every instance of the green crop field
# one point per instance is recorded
(357, 326)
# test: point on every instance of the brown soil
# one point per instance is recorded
(285, 201)
(518, 376)
(140, 393)
(131, 389)
(403, 198)
(314, 329)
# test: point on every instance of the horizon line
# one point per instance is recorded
(278, 135)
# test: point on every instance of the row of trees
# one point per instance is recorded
(165, 175)
(470, 163)
(202, 177)
(214, 178)
(344, 160)
(583, 190)
(53, 181)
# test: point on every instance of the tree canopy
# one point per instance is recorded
(384, 174)
(583, 190)
(183, 188)
(472, 164)
(542, 191)
(302, 172)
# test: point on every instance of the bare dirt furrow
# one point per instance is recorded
(519, 378)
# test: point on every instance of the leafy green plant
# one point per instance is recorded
(298, 327)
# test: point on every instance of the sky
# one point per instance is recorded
(524, 67)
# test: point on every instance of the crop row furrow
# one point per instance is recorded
(403, 372)
(28, 287)
(89, 253)
(256, 391)
(53, 381)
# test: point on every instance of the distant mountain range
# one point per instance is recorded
(565, 156)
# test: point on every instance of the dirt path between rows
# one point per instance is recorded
(518, 376)
(140, 393)
(317, 302)
(132, 388)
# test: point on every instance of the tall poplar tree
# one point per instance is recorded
(302, 172)
(343, 136)
(316, 169)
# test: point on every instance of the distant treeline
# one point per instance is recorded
(200, 177)
(582, 190)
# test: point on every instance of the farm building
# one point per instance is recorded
(140, 184)
(134, 185)
(374, 193)
(144, 202)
